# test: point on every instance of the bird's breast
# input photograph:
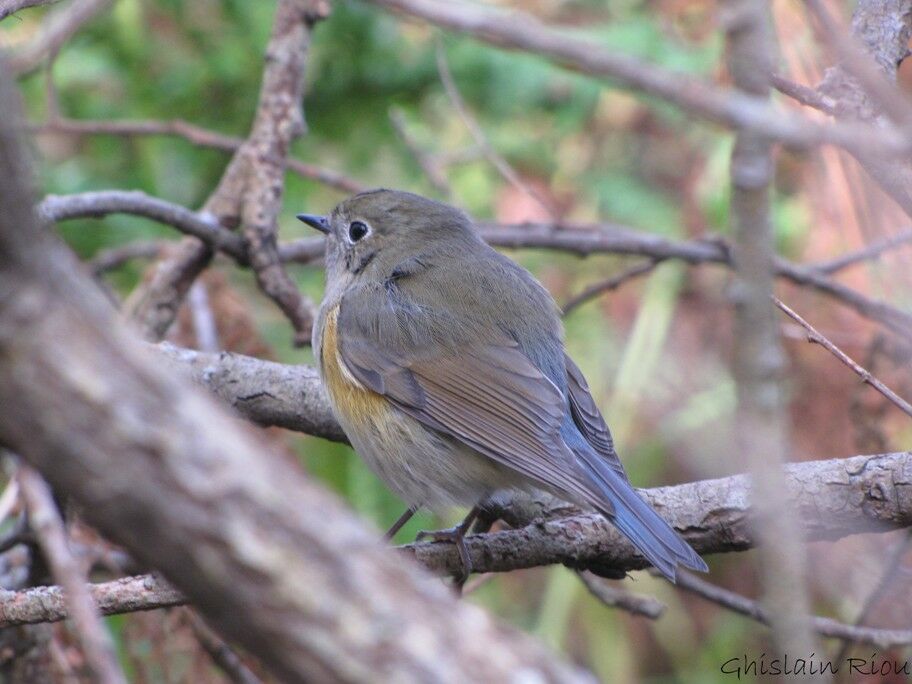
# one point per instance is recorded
(353, 403)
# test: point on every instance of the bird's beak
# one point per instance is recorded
(321, 223)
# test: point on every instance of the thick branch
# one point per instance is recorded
(156, 466)
(264, 392)
(835, 498)
(832, 499)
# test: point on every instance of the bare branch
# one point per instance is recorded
(115, 257)
(830, 499)
(49, 604)
(520, 31)
(250, 191)
(262, 391)
(815, 336)
(432, 169)
(758, 360)
(8, 7)
(825, 627)
(158, 467)
(609, 284)
(882, 28)
(98, 204)
(577, 239)
(804, 94)
(614, 597)
(48, 526)
(57, 28)
(871, 77)
(194, 134)
(495, 158)
(220, 652)
(868, 253)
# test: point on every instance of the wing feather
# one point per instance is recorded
(489, 395)
(589, 419)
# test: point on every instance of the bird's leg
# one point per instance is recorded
(404, 518)
(456, 535)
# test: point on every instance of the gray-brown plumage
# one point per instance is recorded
(445, 366)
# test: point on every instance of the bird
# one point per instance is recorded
(444, 363)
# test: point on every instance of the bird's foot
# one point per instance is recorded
(455, 535)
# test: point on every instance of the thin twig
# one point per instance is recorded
(221, 653)
(871, 251)
(890, 570)
(115, 257)
(804, 94)
(196, 135)
(644, 606)
(49, 529)
(815, 336)
(825, 627)
(497, 161)
(433, 170)
(609, 284)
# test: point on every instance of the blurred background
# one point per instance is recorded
(656, 351)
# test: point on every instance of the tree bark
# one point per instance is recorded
(275, 562)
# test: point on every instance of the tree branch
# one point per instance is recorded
(815, 336)
(831, 499)
(520, 31)
(201, 137)
(157, 467)
(758, 363)
(56, 29)
(264, 392)
(51, 534)
(250, 190)
(826, 627)
(8, 7)
(579, 239)
(48, 604)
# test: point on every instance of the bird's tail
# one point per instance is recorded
(653, 537)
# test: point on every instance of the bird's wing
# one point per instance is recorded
(588, 418)
(489, 395)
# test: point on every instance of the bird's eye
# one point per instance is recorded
(357, 230)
